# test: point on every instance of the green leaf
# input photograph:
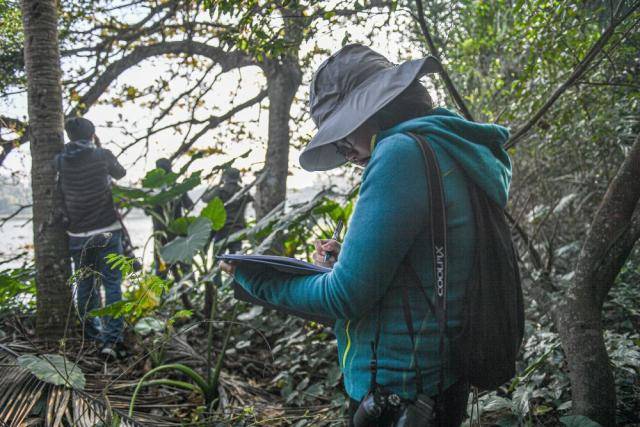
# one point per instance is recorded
(117, 309)
(564, 406)
(179, 226)
(254, 312)
(122, 263)
(578, 421)
(345, 39)
(326, 206)
(334, 375)
(336, 213)
(497, 403)
(182, 314)
(157, 178)
(177, 191)
(147, 325)
(53, 369)
(155, 197)
(509, 421)
(216, 213)
(16, 289)
(348, 210)
(541, 410)
(329, 14)
(183, 249)
(127, 194)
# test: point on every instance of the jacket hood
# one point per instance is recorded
(77, 149)
(477, 147)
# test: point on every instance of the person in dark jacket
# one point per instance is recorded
(169, 212)
(84, 178)
(229, 187)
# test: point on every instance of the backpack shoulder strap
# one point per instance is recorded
(438, 225)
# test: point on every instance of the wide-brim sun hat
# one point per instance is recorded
(347, 89)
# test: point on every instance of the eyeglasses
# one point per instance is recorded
(343, 147)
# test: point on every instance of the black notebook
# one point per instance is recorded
(283, 264)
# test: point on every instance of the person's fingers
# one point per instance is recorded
(331, 246)
(224, 266)
(319, 249)
(227, 268)
(320, 259)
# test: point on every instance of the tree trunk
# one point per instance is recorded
(282, 83)
(42, 59)
(613, 232)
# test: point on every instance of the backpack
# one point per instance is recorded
(493, 324)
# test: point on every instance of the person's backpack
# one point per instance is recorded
(493, 324)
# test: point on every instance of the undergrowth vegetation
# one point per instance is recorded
(294, 363)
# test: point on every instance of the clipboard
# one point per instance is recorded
(283, 264)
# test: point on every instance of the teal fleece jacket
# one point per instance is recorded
(389, 224)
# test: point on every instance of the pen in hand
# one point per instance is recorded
(335, 236)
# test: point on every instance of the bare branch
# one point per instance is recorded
(14, 258)
(7, 218)
(226, 60)
(12, 123)
(215, 121)
(16, 126)
(443, 72)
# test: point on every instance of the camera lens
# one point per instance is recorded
(369, 412)
(417, 414)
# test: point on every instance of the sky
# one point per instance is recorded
(251, 81)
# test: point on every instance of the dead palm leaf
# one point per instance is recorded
(28, 398)
(20, 393)
(57, 402)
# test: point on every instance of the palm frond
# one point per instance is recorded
(23, 397)
(57, 402)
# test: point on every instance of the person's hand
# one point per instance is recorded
(228, 267)
(324, 246)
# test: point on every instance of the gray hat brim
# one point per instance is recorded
(357, 107)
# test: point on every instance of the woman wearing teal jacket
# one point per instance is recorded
(364, 106)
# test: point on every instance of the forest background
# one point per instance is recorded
(210, 82)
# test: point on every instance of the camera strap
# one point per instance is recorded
(406, 308)
(374, 351)
(438, 226)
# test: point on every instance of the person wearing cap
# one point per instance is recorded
(84, 179)
(363, 106)
(170, 211)
(228, 187)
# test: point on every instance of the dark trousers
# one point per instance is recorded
(92, 271)
(450, 406)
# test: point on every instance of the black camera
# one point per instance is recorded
(420, 413)
(381, 408)
(374, 407)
